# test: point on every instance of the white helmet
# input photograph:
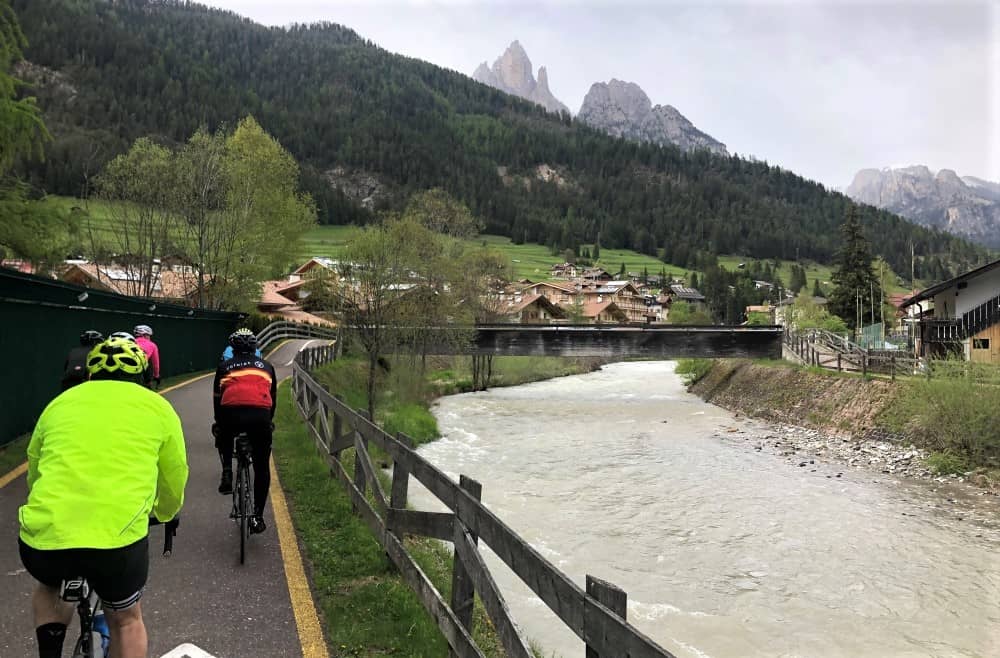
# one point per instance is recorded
(123, 334)
(142, 330)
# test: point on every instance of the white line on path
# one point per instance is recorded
(308, 343)
(187, 650)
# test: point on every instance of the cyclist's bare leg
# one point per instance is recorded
(52, 616)
(128, 632)
(48, 608)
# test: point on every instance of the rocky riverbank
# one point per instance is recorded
(816, 418)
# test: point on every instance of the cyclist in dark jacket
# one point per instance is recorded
(75, 367)
(244, 395)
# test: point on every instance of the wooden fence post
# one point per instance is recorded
(839, 368)
(400, 482)
(359, 471)
(611, 597)
(864, 365)
(338, 430)
(892, 366)
(463, 591)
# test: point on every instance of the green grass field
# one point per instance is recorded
(531, 261)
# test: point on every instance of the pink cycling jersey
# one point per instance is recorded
(152, 353)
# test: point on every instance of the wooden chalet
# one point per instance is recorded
(960, 316)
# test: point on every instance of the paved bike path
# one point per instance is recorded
(201, 595)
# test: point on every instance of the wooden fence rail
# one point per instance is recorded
(597, 615)
(815, 347)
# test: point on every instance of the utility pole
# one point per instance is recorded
(913, 269)
(871, 297)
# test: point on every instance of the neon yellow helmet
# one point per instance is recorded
(116, 356)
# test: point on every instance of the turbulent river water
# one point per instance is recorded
(724, 551)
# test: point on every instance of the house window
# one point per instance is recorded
(980, 343)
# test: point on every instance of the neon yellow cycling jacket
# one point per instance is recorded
(102, 456)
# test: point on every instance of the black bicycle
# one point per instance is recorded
(93, 643)
(243, 490)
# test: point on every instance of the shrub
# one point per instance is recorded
(955, 417)
(691, 370)
(943, 463)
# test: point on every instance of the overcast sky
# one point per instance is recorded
(821, 88)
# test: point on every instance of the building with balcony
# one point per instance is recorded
(960, 316)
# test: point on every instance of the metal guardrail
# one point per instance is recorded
(284, 330)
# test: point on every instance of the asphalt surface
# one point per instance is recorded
(201, 595)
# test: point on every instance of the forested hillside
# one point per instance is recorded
(117, 71)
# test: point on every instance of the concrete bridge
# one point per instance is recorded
(615, 341)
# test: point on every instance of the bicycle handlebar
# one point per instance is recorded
(169, 530)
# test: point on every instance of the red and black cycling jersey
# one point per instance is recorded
(245, 380)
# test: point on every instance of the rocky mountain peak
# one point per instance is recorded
(623, 109)
(968, 207)
(512, 73)
(950, 178)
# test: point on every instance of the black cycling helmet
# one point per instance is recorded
(89, 338)
(243, 340)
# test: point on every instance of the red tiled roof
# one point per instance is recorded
(168, 284)
(269, 295)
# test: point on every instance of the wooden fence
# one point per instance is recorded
(596, 614)
(819, 348)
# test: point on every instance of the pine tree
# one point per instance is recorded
(817, 291)
(854, 282)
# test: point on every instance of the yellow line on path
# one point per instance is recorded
(13, 475)
(306, 619)
(186, 382)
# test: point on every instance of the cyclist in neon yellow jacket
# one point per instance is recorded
(103, 456)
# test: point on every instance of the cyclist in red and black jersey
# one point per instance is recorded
(244, 395)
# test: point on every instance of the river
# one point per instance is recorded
(724, 551)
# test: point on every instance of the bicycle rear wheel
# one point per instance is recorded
(242, 511)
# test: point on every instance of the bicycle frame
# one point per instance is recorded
(88, 604)
(77, 590)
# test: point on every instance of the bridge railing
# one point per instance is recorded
(283, 330)
(596, 614)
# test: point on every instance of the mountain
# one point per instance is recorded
(624, 110)
(969, 207)
(369, 128)
(511, 73)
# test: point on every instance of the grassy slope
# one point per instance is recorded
(531, 261)
(368, 610)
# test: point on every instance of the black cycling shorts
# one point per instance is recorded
(118, 575)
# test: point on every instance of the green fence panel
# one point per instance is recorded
(870, 337)
(41, 319)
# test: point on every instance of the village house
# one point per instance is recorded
(23, 266)
(627, 298)
(764, 309)
(557, 292)
(563, 271)
(595, 274)
(174, 283)
(682, 293)
(606, 311)
(313, 263)
(960, 316)
(531, 309)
